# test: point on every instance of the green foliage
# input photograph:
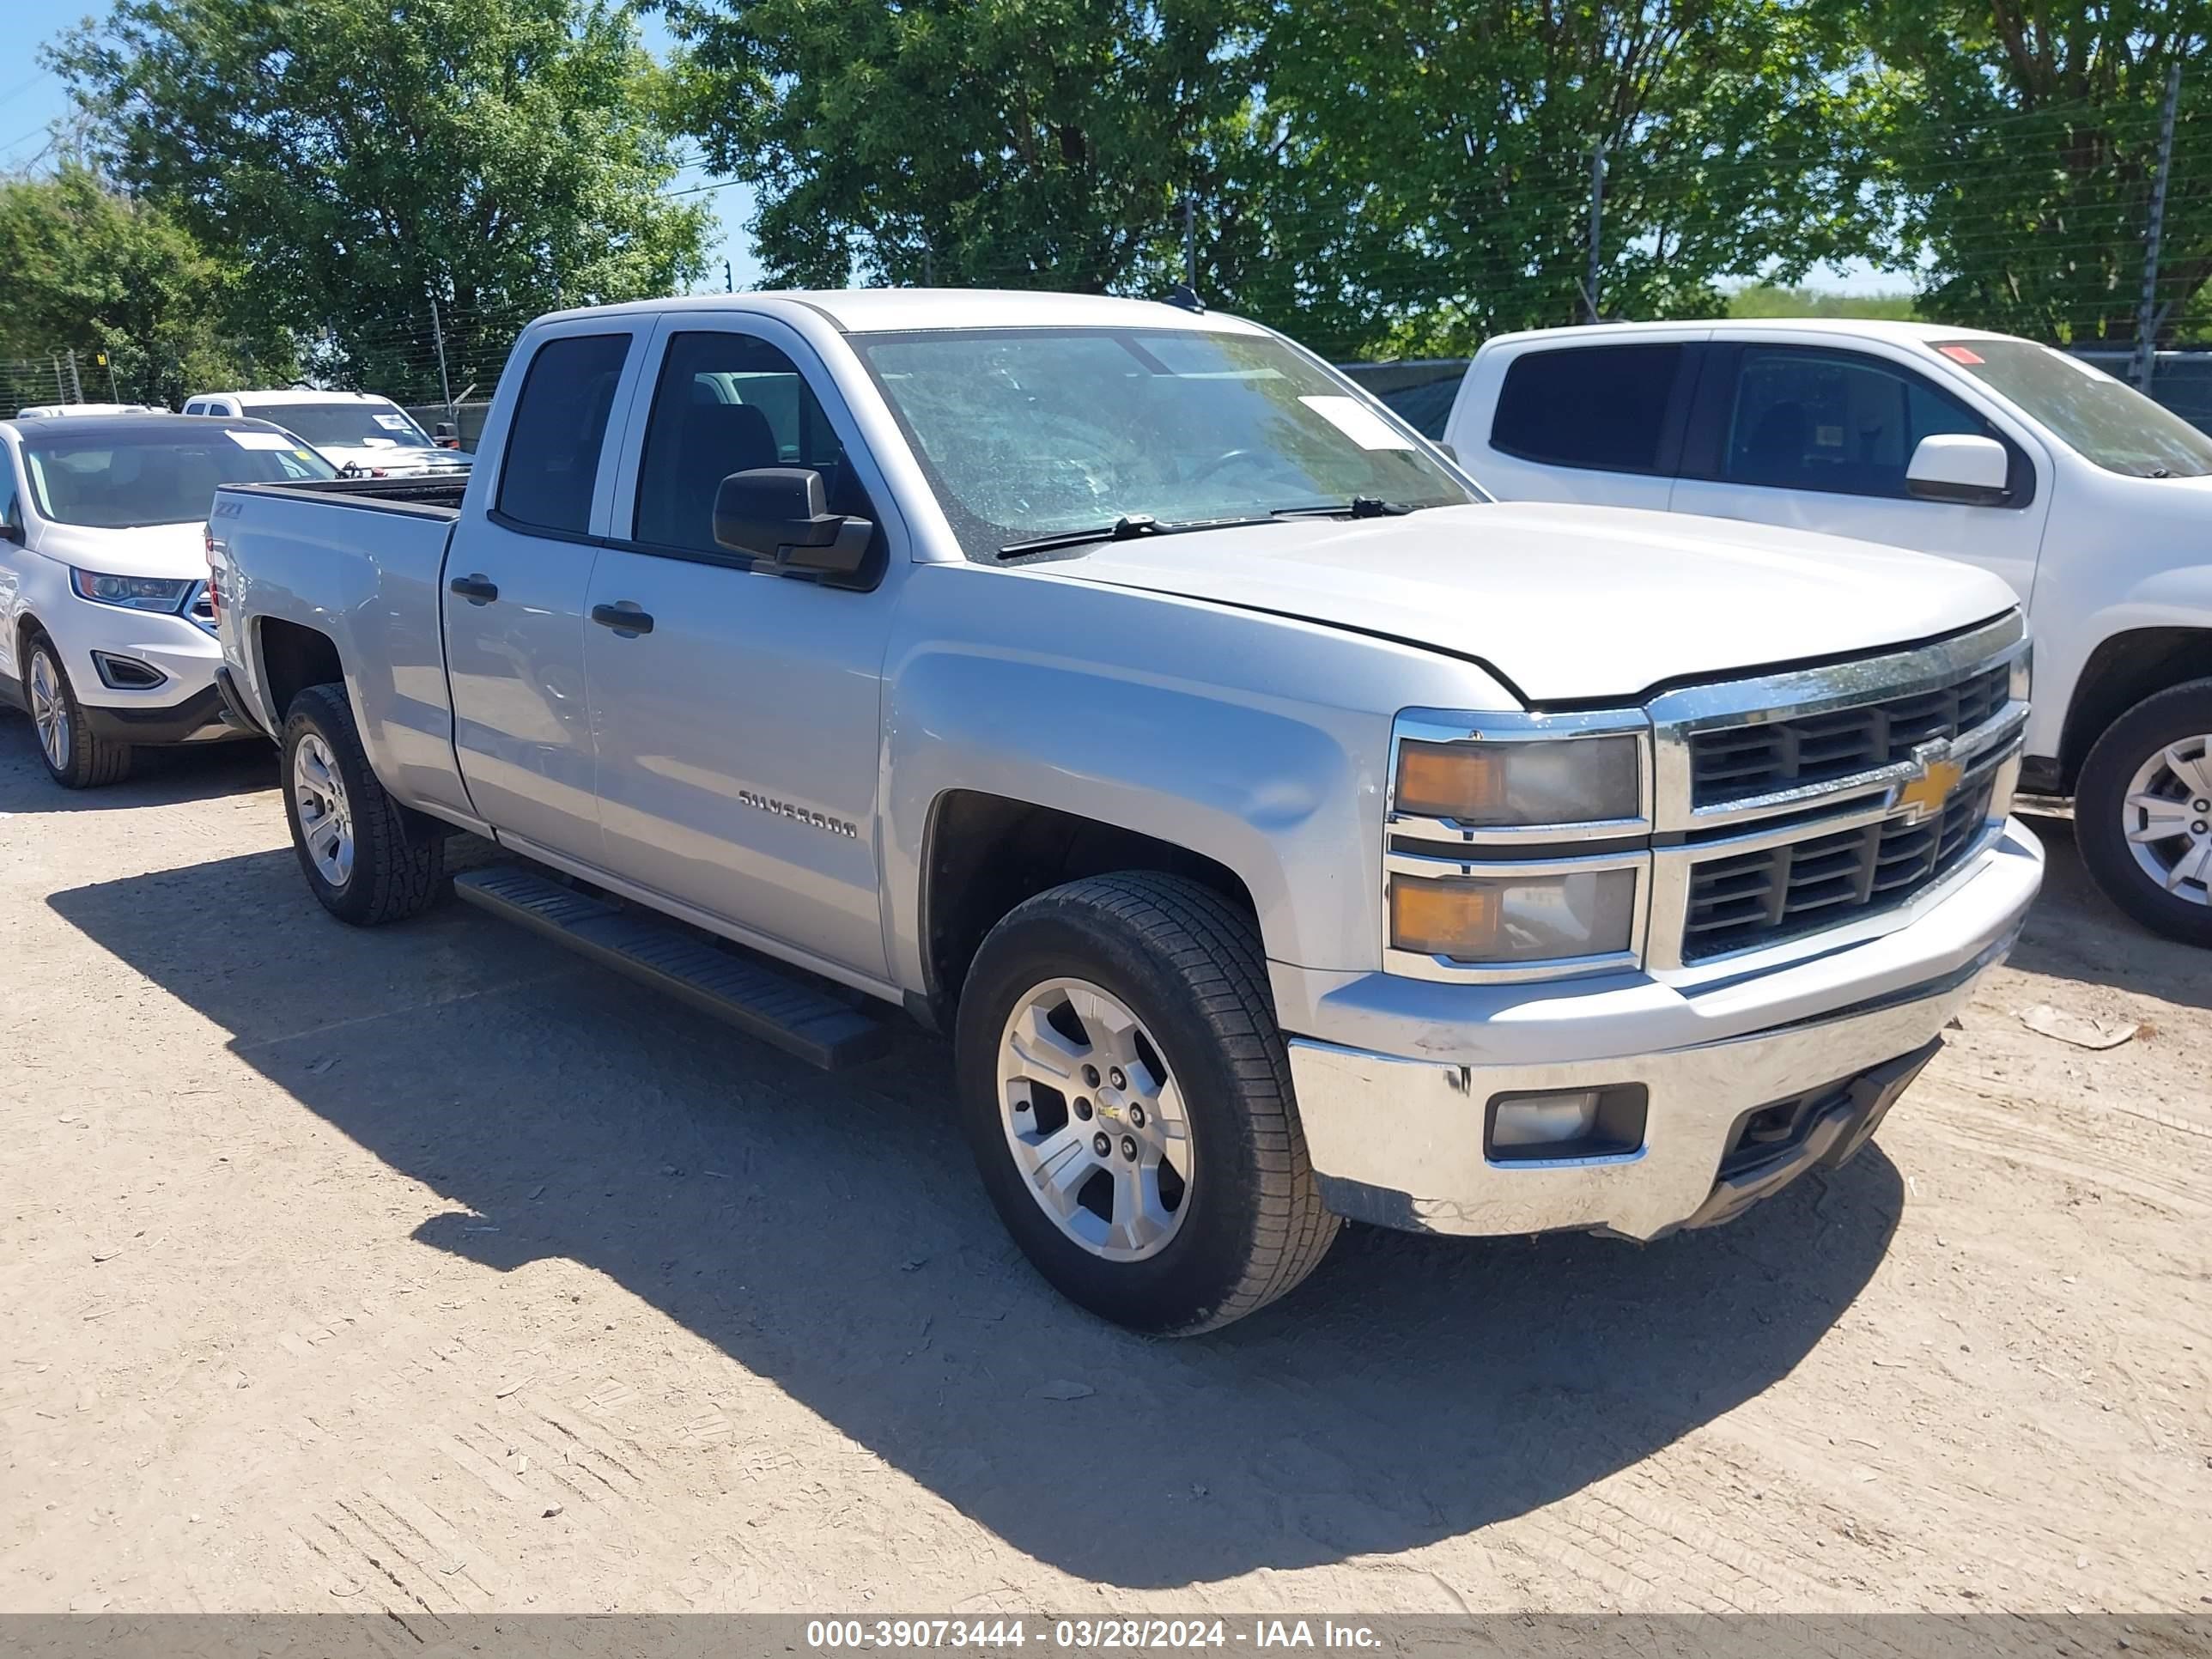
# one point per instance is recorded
(1398, 176)
(93, 272)
(1767, 300)
(354, 159)
(2016, 147)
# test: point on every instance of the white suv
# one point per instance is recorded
(106, 626)
(363, 436)
(2091, 500)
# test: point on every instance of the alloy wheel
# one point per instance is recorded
(2167, 819)
(326, 819)
(1095, 1121)
(50, 710)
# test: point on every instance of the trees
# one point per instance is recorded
(1396, 174)
(354, 160)
(1007, 142)
(92, 271)
(2016, 145)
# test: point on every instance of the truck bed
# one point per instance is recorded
(437, 497)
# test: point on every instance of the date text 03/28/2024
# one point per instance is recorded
(1085, 1635)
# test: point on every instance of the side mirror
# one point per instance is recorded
(780, 513)
(1960, 468)
(1451, 453)
(11, 524)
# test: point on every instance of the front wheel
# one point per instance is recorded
(76, 756)
(351, 838)
(2142, 812)
(1127, 1098)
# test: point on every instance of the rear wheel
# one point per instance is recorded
(2142, 812)
(76, 756)
(352, 840)
(1127, 1098)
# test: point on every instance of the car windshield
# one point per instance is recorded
(347, 426)
(1036, 432)
(2110, 424)
(119, 480)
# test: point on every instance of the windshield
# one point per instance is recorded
(347, 426)
(1034, 433)
(2110, 424)
(119, 480)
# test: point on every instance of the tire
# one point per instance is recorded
(386, 874)
(1247, 1224)
(86, 760)
(2151, 768)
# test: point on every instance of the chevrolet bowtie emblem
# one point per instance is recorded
(1939, 776)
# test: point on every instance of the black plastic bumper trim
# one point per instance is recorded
(235, 705)
(171, 724)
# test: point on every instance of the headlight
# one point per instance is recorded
(137, 593)
(1515, 918)
(1520, 782)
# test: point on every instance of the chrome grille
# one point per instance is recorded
(1744, 900)
(1740, 763)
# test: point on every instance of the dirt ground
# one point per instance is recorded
(429, 1269)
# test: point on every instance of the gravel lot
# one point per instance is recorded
(429, 1269)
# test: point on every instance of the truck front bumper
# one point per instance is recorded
(1744, 1083)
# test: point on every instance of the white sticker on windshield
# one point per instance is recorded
(259, 440)
(392, 423)
(380, 443)
(1357, 422)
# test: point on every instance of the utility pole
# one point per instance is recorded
(61, 392)
(75, 380)
(108, 363)
(438, 334)
(729, 283)
(1597, 230)
(2148, 316)
(928, 266)
(1190, 241)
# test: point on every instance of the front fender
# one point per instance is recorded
(1257, 741)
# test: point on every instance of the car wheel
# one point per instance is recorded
(1127, 1098)
(76, 756)
(2142, 812)
(353, 842)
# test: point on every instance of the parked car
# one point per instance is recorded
(107, 635)
(58, 412)
(2094, 503)
(360, 435)
(1283, 831)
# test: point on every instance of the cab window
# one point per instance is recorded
(1832, 422)
(728, 402)
(551, 465)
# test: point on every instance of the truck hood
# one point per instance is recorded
(1569, 603)
(152, 550)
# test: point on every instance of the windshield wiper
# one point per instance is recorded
(1127, 528)
(1359, 506)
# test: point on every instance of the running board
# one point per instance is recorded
(751, 996)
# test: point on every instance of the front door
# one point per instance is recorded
(515, 585)
(739, 738)
(1818, 439)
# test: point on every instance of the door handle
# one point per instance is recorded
(476, 589)
(623, 618)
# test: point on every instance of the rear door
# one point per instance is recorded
(515, 584)
(1819, 438)
(739, 738)
(1597, 424)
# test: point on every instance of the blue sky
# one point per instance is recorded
(32, 99)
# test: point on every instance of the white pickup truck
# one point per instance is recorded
(2094, 503)
(1283, 831)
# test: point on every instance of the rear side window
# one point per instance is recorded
(560, 425)
(728, 402)
(1595, 406)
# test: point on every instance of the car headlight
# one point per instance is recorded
(134, 593)
(1521, 783)
(1544, 915)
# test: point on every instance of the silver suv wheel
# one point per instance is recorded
(2167, 819)
(49, 711)
(1095, 1123)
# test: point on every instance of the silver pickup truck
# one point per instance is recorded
(1283, 831)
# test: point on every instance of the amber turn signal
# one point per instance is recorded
(1443, 918)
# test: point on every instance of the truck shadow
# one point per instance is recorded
(828, 1233)
(158, 777)
(2074, 932)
